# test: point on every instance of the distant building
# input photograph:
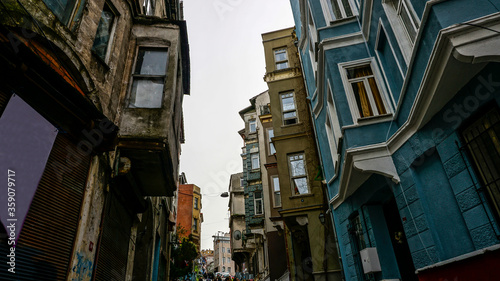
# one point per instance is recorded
(207, 257)
(237, 226)
(222, 254)
(189, 213)
(255, 185)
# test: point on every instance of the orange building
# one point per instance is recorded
(189, 216)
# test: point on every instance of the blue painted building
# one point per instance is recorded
(405, 97)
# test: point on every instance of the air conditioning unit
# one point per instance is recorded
(370, 261)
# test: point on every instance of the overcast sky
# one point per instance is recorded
(227, 69)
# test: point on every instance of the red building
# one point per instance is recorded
(189, 216)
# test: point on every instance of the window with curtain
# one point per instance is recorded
(104, 30)
(258, 203)
(289, 109)
(148, 78)
(276, 190)
(281, 59)
(69, 12)
(366, 92)
(298, 176)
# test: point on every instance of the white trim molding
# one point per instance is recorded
(367, 18)
(351, 96)
(324, 45)
(460, 52)
(359, 164)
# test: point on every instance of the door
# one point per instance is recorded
(399, 242)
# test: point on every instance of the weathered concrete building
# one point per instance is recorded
(102, 84)
(237, 226)
(274, 244)
(311, 250)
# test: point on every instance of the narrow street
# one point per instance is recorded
(232, 140)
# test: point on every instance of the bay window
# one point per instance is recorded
(148, 78)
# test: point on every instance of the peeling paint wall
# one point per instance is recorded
(88, 229)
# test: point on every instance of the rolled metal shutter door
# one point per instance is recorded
(44, 248)
(112, 257)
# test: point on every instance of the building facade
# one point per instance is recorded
(405, 101)
(301, 203)
(254, 187)
(222, 254)
(79, 80)
(190, 216)
(208, 261)
(237, 227)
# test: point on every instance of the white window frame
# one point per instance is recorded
(255, 200)
(405, 41)
(312, 39)
(292, 157)
(333, 129)
(287, 95)
(404, 7)
(276, 62)
(382, 30)
(270, 144)
(276, 190)
(255, 156)
(253, 123)
(327, 7)
(351, 99)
